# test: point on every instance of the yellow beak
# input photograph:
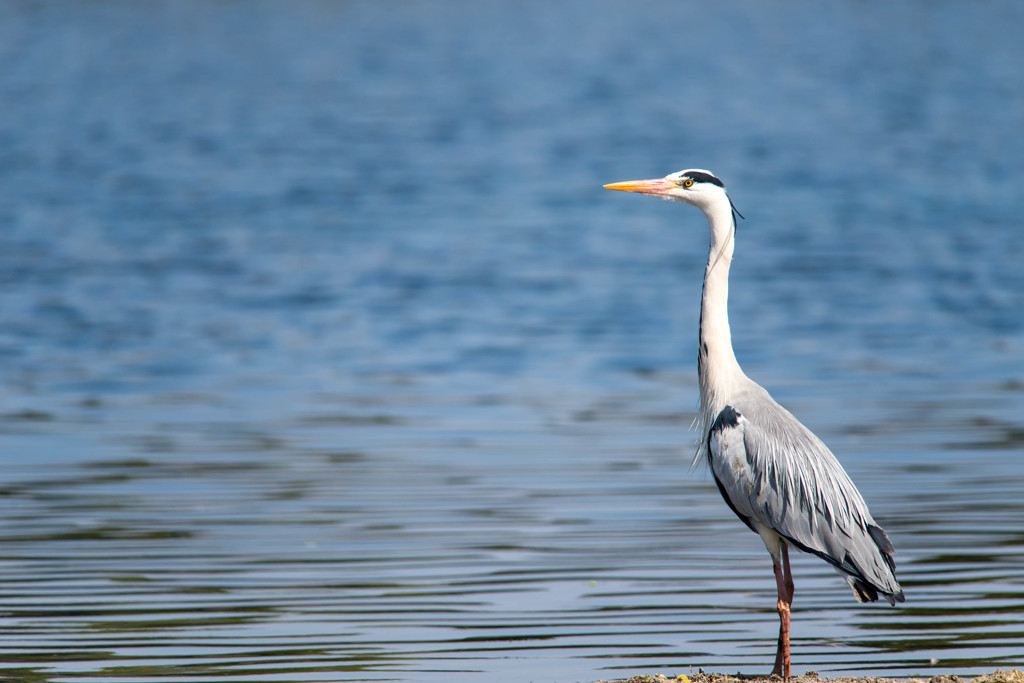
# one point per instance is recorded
(657, 186)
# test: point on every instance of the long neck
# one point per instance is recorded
(717, 368)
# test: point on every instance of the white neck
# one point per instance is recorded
(717, 368)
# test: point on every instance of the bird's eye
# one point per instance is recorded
(687, 183)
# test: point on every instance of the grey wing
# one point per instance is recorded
(773, 472)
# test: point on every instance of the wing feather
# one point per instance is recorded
(775, 472)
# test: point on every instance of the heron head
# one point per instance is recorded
(693, 186)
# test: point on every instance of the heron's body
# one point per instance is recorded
(773, 472)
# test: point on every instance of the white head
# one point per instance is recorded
(694, 186)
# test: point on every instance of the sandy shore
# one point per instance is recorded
(1007, 676)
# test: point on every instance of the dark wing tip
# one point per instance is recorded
(863, 591)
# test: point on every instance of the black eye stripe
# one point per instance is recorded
(701, 177)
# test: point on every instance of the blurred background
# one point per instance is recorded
(324, 356)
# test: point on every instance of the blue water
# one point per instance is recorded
(325, 357)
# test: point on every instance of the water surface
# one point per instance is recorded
(325, 357)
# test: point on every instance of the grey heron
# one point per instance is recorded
(774, 473)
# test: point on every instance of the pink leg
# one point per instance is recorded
(789, 575)
(784, 584)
